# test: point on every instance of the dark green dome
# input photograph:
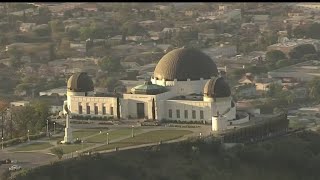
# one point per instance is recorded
(80, 82)
(148, 88)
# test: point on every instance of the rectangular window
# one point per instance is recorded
(201, 114)
(80, 109)
(170, 113)
(178, 113)
(186, 114)
(111, 110)
(103, 110)
(88, 109)
(95, 109)
(193, 114)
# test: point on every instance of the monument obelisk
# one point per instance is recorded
(67, 131)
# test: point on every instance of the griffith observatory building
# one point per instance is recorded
(185, 86)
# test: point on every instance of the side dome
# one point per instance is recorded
(183, 64)
(80, 82)
(217, 88)
(148, 88)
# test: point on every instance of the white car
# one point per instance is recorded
(14, 168)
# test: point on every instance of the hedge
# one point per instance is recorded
(86, 117)
(183, 122)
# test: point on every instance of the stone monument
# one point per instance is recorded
(67, 131)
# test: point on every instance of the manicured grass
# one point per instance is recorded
(34, 146)
(84, 133)
(73, 147)
(79, 134)
(146, 138)
(115, 134)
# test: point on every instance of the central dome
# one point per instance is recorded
(185, 63)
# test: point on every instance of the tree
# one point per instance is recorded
(15, 55)
(108, 82)
(43, 30)
(313, 31)
(239, 72)
(308, 57)
(133, 29)
(42, 111)
(290, 97)
(56, 26)
(283, 63)
(110, 64)
(24, 119)
(289, 30)
(58, 152)
(256, 69)
(85, 32)
(183, 38)
(314, 89)
(274, 90)
(300, 31)
(67, 14)
(3, 105)
(73, 34)
(44, 15)
(23, 87)
(301, 50)
(275, 55)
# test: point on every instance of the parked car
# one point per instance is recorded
(14, 168)
(7, 161)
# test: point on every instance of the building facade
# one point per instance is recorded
(185, 86)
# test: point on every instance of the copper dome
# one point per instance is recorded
(185, 63)
(217, 88)
(80, 82)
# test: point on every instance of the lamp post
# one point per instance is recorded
(47, 127)
(81, 145)
(132, 135)
(28, 135)
(107, 138)
(54, 127)
(2, 143)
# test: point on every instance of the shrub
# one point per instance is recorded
(59, 142)
(37, 136)
(77, 141)
(58, 152)
(106, 123)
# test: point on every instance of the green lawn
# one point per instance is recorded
(115, 134)
(146, 138)
(34, 146)
(84, 133)
(79, 134)
(73, 147)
